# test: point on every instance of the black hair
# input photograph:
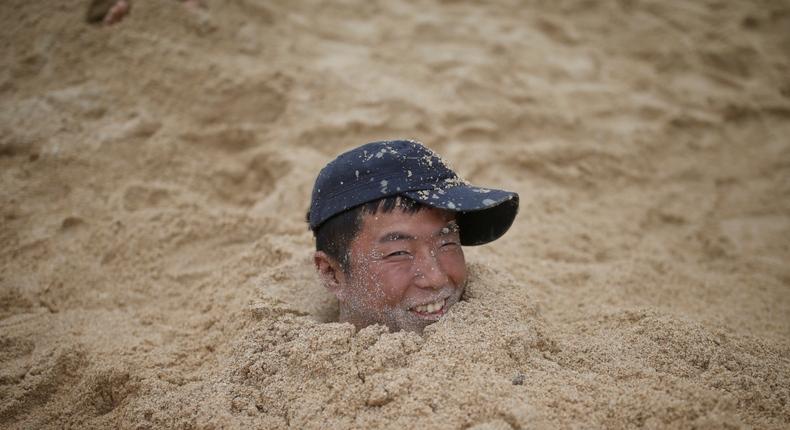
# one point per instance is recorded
(334, 235)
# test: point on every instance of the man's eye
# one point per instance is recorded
(449, 246)
(398, 253)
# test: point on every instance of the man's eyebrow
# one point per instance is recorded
(448, 229)
(392, 237)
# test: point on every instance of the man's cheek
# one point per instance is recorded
(369, 292)
(393, 282)
(455, 266)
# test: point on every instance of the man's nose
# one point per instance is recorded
(429, 273)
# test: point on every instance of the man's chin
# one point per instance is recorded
(416, 323)
(398, 319)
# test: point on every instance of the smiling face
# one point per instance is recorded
(406, 270)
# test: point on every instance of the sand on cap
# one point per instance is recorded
(408, 168)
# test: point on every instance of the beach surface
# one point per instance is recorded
(156, 269)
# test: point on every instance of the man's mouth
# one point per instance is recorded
(430, 308)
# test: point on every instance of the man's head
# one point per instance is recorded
(389, 220)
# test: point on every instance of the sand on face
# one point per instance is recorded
(156, 268)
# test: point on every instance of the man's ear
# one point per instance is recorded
(332, 275)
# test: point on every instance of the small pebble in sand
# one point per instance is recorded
(107, 12)
(117, 12)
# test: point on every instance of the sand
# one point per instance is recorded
(155, 267)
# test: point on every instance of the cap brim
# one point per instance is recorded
(483, 214)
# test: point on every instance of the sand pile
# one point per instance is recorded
(154, 175)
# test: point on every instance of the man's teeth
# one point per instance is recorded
(429, 308)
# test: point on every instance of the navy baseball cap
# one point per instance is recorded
(407, 168)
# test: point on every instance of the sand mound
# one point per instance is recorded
(154, 174)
